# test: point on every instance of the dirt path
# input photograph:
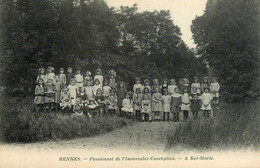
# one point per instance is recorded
(140, 136)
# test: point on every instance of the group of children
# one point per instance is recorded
(151, 101)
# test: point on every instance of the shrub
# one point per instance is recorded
(20, 124)
(234, 126)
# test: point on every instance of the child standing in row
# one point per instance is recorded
(79, 78)
(89, 90)
(164, 85)
(157, 104)
(147, 92)
(50, 74)
(121, 92)
(57, 93)
(155, 85)
(62, 78)
(41, 75)
(50, 94)
(147, 85)
(166, 100)
(172, 86)
(214, 89)
(72, 90)
(175, 104)
(195, 85)
(112, 79)
(106, 93)
(146, 108)
(100, 99)
(137, 100)
(195, 102)
(99, 77)
(97, 85)
(39, 95)
(88, 78)
(69, 75)
(185, 100)
(138, 84)
(205, 83)
(206, 98)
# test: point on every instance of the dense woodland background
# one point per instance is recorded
(89, 35)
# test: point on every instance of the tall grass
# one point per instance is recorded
(233, 126)
(20, 124)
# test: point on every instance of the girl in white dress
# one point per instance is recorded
(97, 85)
(146, 108)
(138, 84)
(206, 98)
(185, 106)
(196, 85)
(214, 89)
(87, 78)
(99, 76)
(172, 86)
(89, 90)
(72, 90)
(79, 78)
(127, 106)
(166, 101)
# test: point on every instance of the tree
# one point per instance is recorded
(154, 42)
(90, 35)
(227, 38)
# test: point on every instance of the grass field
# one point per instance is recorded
(20, 124)
(233, 126)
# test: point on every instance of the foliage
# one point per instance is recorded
(20, 124)
(89, 35)
(154, 42)
(236, 125)
(227, 38)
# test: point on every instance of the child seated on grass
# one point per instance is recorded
(82, 97)
(92, 108)
(79, 108)
(65, 103)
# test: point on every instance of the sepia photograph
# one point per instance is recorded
(129, 83)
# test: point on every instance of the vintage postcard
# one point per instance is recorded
(129, 83)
